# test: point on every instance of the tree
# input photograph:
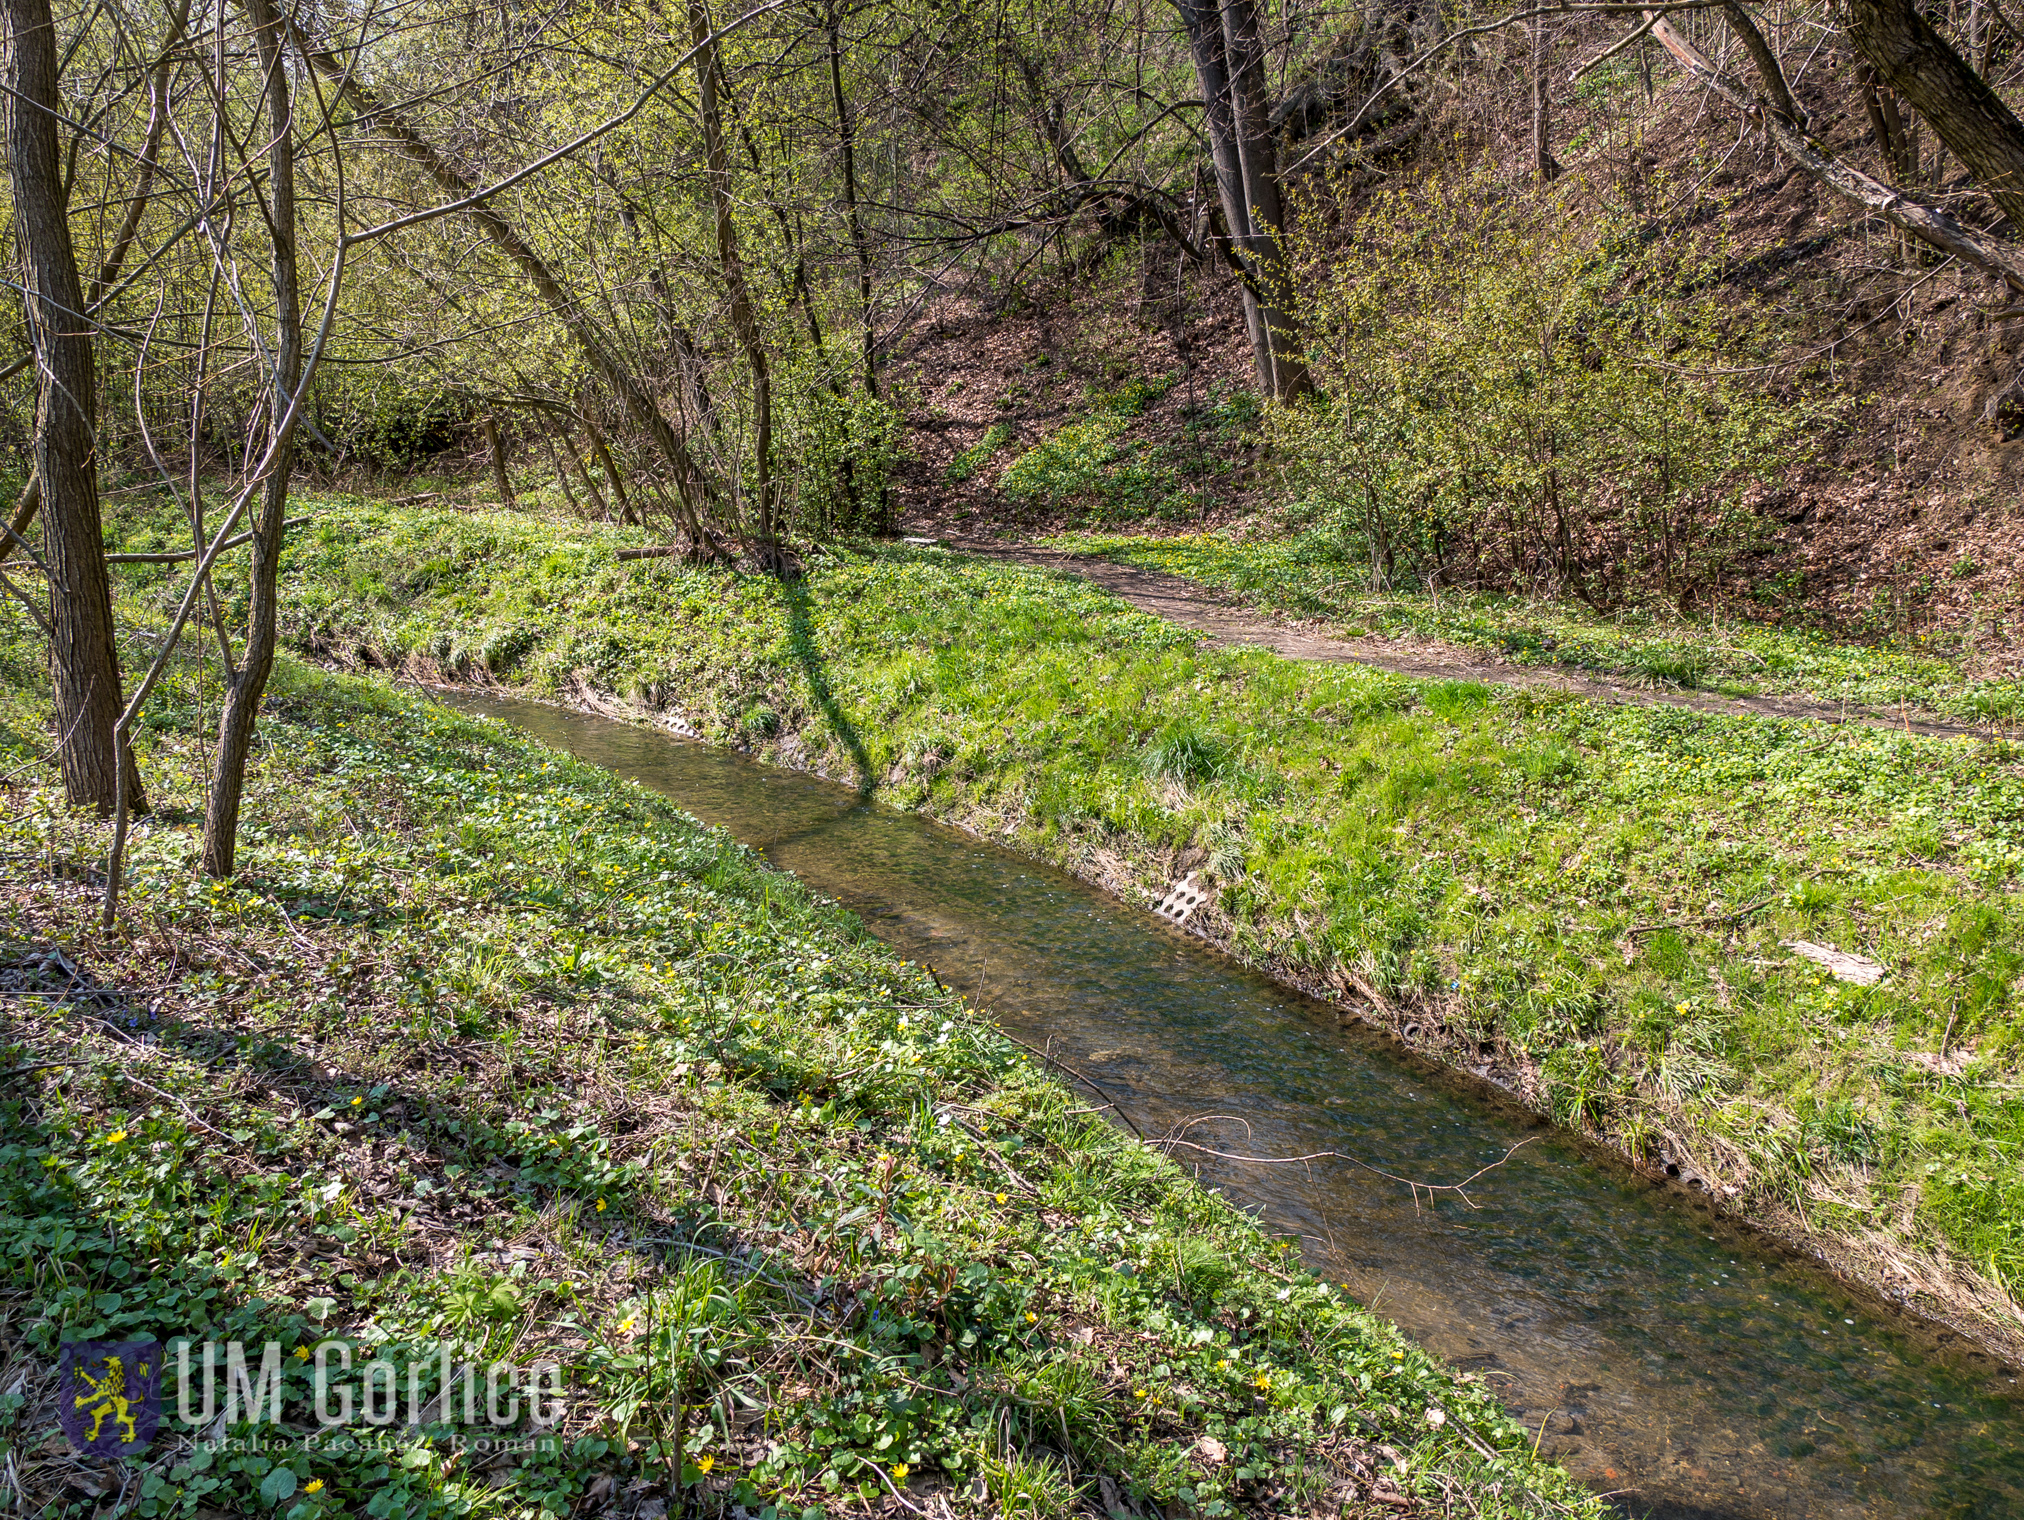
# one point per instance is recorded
(246, 682)
(1970, 118)
(1229, 58)
(96, 763)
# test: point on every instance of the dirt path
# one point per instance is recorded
(1193, 605)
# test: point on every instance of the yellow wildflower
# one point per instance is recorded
(900, 1471)
(313, 1486)
(600, 1205)
(1001, 1197)
(1032, 1318)
(302, 1353)
(115, 1137)
(704, 1464)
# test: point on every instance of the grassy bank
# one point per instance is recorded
(1591, 901)
(1307, 578)
(485, 1046)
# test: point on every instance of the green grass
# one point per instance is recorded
(1305, 576)
(485, 1045)
(975, 457)
(1597, 894)
(1106, 469)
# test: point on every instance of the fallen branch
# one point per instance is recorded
(655, 551)
(1900, 208)
(177, 556)
(1459, 1189)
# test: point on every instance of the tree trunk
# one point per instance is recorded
(597, 500)
(846, 139)
(561, 475)
(730, 264)
(1203, 22)
(1258, 154)
(26, 508)
(498, 451)
(84, 658)
(1545, 167)
(628, 514)
(1897, 146)
(1230, 68)
(245, 686)
(1769, 74)
(1916, 61)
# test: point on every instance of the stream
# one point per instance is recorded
(1690, 1369)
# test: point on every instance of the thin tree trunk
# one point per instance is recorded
(627, 512)
(498, 451)
(1545, 167)
(245, 686)
(846, 138)
(561, 475)
(744, 322)
(1769, 72)
(26, 508)
(583, 472)
(158, 120)
(84, 657)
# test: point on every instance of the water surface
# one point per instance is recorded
(1690, 1369)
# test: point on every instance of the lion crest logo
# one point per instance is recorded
(110, 1395)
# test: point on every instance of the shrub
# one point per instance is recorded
(1521, 397)
(841, 450)
(387, 420)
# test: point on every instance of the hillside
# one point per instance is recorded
(1896, 522)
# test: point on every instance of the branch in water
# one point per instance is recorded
(1459, 1189)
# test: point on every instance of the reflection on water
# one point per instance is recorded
(1671, 1360)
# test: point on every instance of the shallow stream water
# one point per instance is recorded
(1688, 1368)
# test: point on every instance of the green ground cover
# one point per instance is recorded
(486, 1046)
(1306, 576)
(1600, 894)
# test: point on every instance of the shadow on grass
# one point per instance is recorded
(801, 640)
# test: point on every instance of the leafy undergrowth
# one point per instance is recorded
(1593, 899)
(485, 1047)
(1305, 577)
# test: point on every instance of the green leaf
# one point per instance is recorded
(278, 1485)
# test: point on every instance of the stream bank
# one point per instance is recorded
(1587, 902)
